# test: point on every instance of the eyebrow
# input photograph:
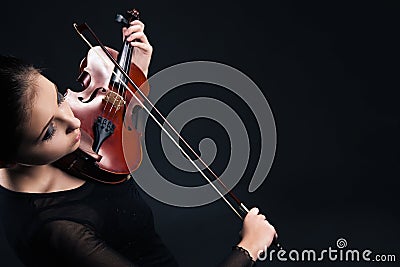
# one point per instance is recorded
(51, 119)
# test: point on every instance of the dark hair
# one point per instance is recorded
(16, 77)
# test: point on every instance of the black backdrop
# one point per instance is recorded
(328, 71)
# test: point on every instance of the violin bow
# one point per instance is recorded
(243, 210)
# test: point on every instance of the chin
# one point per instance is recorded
(75, 146)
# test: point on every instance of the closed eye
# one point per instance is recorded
(51, 130)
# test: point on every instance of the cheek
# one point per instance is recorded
(56, 148)
(46, 153)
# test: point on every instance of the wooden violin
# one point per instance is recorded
(101, 106)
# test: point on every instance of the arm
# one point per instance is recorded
(77, 245)
(257, 235)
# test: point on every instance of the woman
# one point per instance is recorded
(54, 219)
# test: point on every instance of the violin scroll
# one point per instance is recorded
(133, 15)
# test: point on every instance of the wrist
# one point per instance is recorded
(253, 252)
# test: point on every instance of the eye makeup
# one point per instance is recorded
(51, 130)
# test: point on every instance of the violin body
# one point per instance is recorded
(108, 108)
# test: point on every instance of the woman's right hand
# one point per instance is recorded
(257, 233)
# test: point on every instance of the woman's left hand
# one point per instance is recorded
(143, 50)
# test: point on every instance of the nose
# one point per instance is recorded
(73, 123)
(68, 119)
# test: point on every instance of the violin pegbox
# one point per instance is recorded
(133, 15)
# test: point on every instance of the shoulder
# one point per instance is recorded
(76, 244)
(61, 231)
(65, 235)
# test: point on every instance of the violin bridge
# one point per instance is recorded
(116, 100)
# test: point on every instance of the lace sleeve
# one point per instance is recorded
(73, 244)
(238, 257)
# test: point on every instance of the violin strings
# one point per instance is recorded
(115, 99)
(121, 89)
(170, 126)
(105, 62)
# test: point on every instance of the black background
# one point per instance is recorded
(329, 72)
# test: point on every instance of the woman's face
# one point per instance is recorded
(51, 130)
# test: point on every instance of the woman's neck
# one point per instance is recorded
(37, 179)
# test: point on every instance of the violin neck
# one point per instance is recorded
(124, 60)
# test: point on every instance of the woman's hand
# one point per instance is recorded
(143, 50)
(257, 233)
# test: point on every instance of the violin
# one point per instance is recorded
(101, 107)
(115, 89)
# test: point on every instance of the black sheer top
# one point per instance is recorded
(93, 225)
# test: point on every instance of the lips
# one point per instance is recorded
(78, 135)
